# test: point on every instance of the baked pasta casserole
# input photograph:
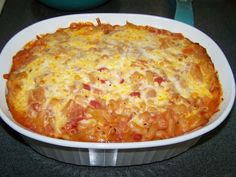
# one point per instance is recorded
(112, 83)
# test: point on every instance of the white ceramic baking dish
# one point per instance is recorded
(116, 154)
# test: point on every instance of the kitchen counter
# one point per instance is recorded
(213, 156)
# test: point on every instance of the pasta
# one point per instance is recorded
(112, 83)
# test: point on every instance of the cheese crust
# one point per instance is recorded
(112, 83)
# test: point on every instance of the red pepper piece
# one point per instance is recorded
(95, 104)
(102, 69)
(86, 86)
(135, 94)
(103, 81)
(122, 81)
(159, 80)
(137, 137)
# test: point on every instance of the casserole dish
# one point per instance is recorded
(116, 154)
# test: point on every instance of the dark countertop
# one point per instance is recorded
(215, 153)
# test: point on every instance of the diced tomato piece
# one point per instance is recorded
(86, 86)
(159, 80)
(102, 69)
(95, 104)
(103, 81)
(122, 81)
(137, 137)
(135, 94)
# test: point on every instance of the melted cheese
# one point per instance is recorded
(113, 66)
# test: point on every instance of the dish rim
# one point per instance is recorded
(124, 145)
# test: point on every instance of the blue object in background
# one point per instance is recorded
(183, 8)
(73, 4)
(184, 11)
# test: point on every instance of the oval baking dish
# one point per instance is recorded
(116, 154)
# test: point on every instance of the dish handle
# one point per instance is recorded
(103, 157)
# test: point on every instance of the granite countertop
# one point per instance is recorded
(215, 153)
